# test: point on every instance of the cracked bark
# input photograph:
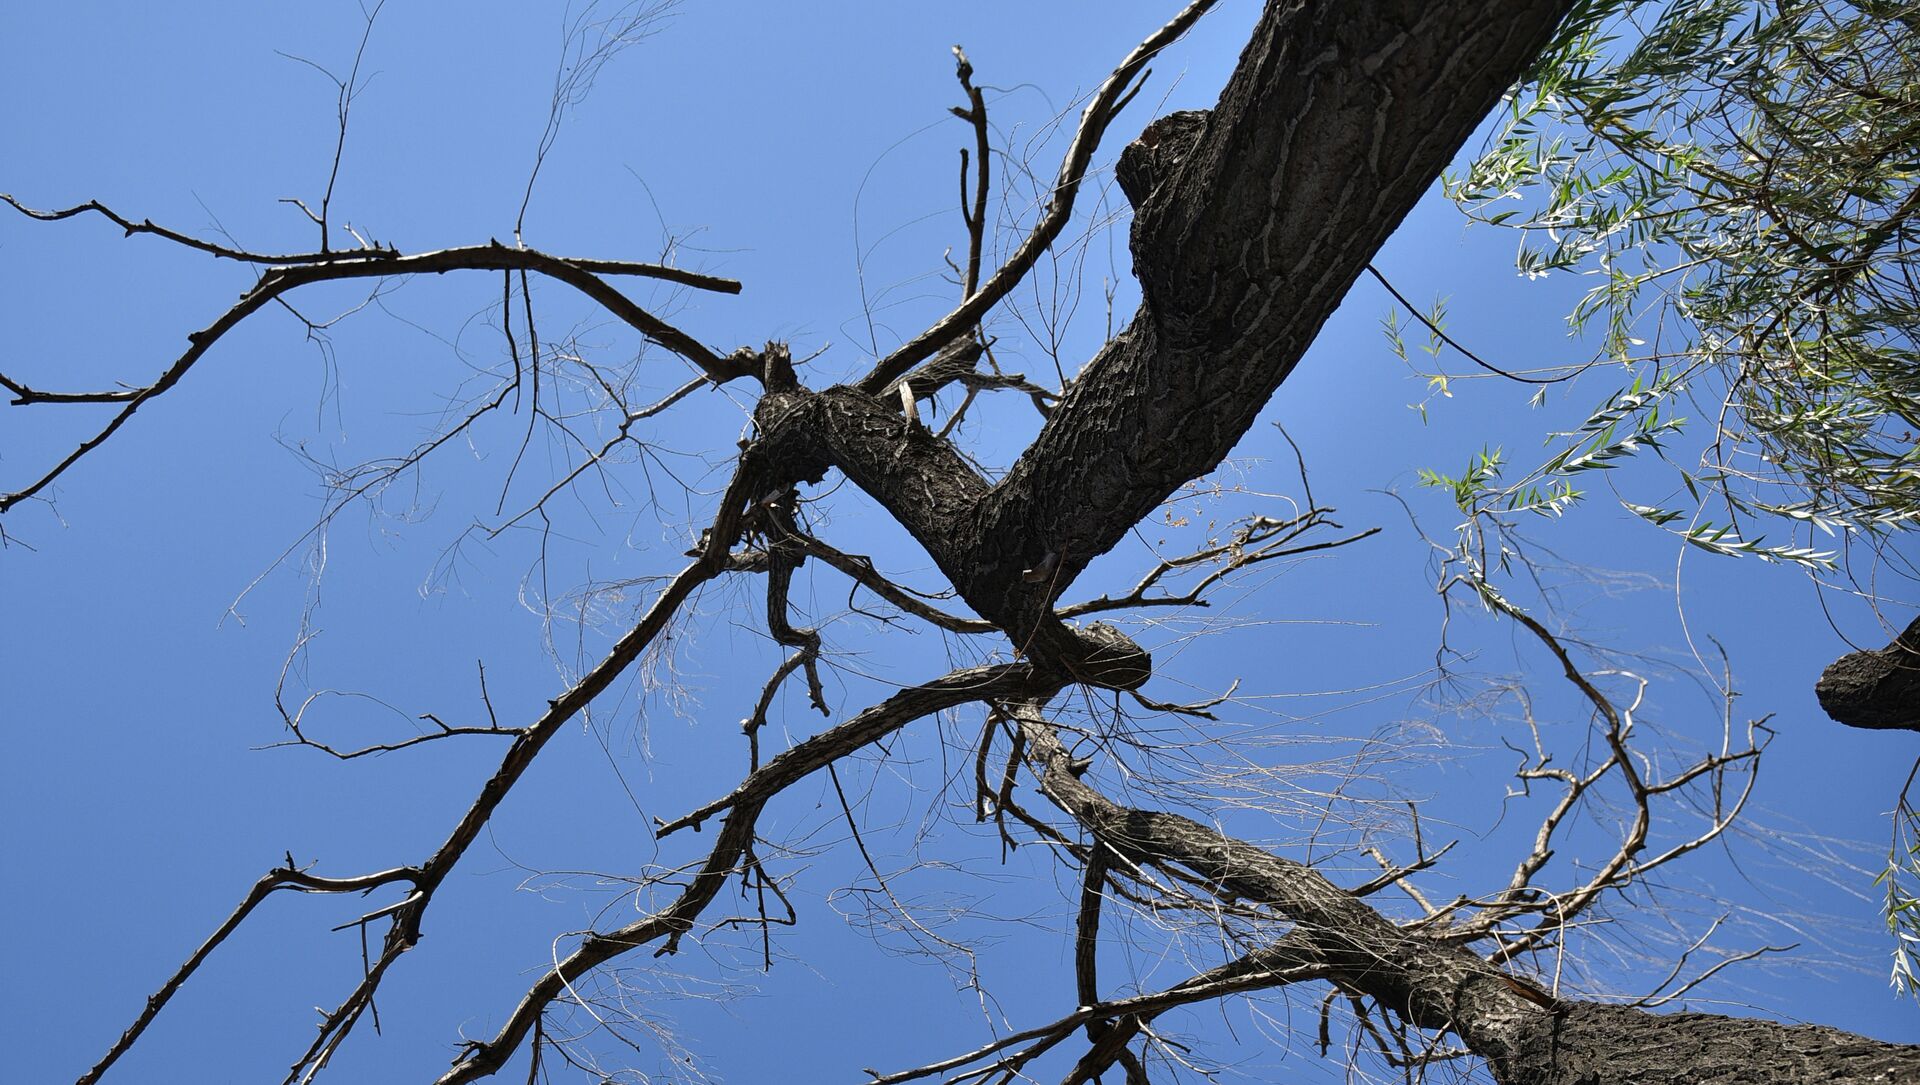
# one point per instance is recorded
(1251, 224)
(1877, 688)
(1252, 221)
(1443, 987)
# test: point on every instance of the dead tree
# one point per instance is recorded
(1250, 223)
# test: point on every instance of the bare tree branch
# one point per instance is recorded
(279, 281)
(1105, 105)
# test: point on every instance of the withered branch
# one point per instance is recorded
(1729, 774)
(295, 720)
(285, 877)
(812, 754)
(480, 1058)
(374, 253)
(492, 257)
(975, 114)
(1100, 111)
(1255, 540)
(861, 570)
(405, 920)
(1285, 961)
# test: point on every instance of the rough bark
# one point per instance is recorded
(1591, 1044)
(1527, 1036)
(1254, 222)
(1428, 982)
(1877, 688)
(1337, 119)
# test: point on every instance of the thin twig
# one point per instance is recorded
(1099, 112)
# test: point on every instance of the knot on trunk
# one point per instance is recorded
(774, 366)
(1101, 655)
(1156, 156)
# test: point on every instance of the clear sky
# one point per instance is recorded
(806, 150)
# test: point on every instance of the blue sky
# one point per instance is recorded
(807, 151)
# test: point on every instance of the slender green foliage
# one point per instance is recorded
(1901, 879)
(1741, 180)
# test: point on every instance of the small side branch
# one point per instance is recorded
(784, 558)
(224, 252)
(1108, 100)
(948, 691)
(861, 570)
(295, 720)
(1442, 335)
(1284, 961)
(975, 114)
(1255, 540)
(1396, 875)
(286, 877)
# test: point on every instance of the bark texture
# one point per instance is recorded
(1335, 122)
(1878, 688)
(1252, 222)
(1614, 1045)
(1527, 1036)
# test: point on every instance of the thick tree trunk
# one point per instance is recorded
(1252, 221)
(1337, 120)
(1259, 219)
